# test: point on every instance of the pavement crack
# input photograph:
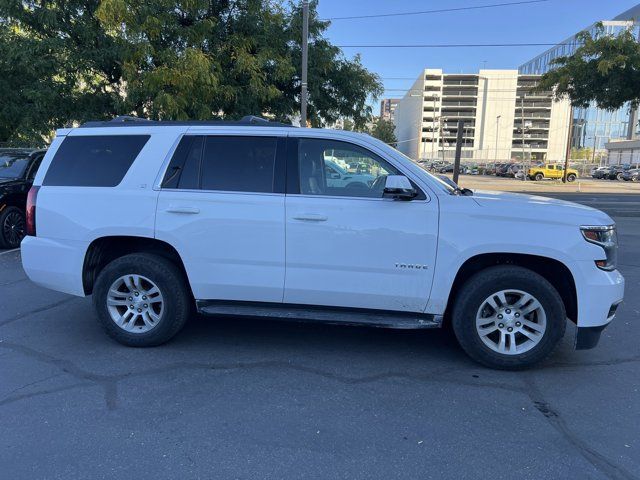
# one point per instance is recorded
(22, 315)
(595, 458)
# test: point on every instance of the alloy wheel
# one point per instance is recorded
(135, 303)
(13, 228)
(511, 322)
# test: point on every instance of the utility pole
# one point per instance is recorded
(495, 160)
(433, 127)
(305, 60)
(522, 116)
(569, 140)
(459, 140)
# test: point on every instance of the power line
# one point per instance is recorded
(440, 10)
(451, 45)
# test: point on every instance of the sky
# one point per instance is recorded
(548, 22)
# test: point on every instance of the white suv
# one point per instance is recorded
(156, 218)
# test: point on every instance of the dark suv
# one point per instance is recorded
(17, 169)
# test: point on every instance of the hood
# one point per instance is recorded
(5, 182)
(539, 209)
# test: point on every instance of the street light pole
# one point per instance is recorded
(305, 60)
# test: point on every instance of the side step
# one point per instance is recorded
(341, 316)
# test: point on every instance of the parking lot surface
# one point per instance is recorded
(237, 398)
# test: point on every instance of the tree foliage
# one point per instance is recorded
(72, 60)
(385, 130)
(605, 69)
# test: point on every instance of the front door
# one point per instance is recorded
(222, 207)
(347, 246)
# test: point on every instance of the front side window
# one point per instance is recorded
(321, 161)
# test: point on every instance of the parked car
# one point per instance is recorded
(599, 172)
(503, 169)
(550, 170)
(17, 169)
(616, 172)
(631, 175)
(156, 219)
(337, 177)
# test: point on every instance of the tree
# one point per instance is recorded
(605, 69)
(385, 130)
(70, 61)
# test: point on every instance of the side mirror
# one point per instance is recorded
(334, 176)
(398, 187)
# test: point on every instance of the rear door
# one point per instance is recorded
(221, 205)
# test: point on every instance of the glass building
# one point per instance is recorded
(593, 127)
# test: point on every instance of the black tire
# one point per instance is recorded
(491, 280)
(538, 177)
(619, 176)
(571, 178)
(167, 277)
(12, 227)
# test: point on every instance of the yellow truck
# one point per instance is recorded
(551, 170)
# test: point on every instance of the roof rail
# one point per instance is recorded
(131, 121)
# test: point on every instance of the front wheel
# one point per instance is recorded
(539, 176)
(141, 299)
(619, 176)
(508, 317)
(571, 178)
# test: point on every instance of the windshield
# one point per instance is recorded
(13, 165)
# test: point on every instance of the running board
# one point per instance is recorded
(338, 316)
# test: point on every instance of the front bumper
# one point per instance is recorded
(599, 295)
(588, 337)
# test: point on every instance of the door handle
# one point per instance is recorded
(174, 209)
(311, 217)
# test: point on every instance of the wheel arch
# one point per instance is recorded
(103, 250)
(556, 272)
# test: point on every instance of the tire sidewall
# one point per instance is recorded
(166, 277)
(571, 178)
(538, 177)
(492, 280)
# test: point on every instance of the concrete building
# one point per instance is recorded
(503, 119)
(593, 127)
(623, 152)
(388, 108)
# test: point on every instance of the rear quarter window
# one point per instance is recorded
(94, 161)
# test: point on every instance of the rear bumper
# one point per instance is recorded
(54, 264)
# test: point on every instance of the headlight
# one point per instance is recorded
(604, 236)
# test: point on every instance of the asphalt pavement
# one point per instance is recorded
(260, 399)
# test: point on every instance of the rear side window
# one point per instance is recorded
(94, 161)
(239, 164)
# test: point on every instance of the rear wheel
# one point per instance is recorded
(571, 177)
(538, 177)
(619, 176)
(508, 317)
(142, 300)
(11, 227)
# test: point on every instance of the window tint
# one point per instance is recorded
(238, 164)
(184, 168)
(94, 161)
(334, 168)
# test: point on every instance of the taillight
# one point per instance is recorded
(31, 210)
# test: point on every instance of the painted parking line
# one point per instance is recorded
(9, 251)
